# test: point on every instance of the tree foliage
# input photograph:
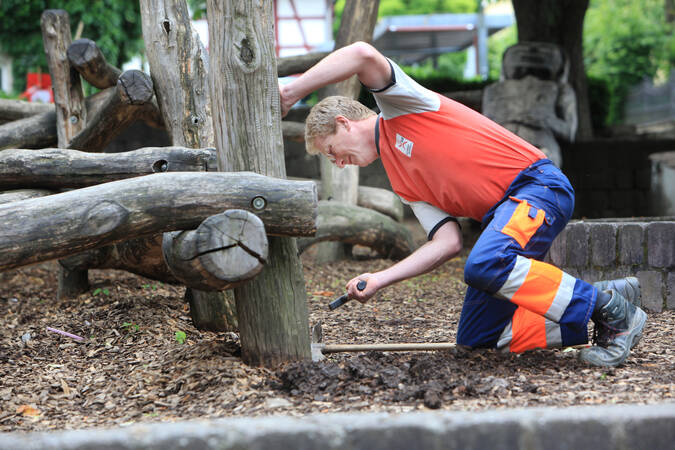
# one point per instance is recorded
(625, 42)
(115, 26)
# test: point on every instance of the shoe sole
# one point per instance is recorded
(635, 334)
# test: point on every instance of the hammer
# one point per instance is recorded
(341, 300)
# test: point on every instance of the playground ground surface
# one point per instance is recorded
(134, 365)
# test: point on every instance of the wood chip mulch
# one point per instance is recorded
(133, 365)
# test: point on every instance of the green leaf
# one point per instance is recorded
(180, 337)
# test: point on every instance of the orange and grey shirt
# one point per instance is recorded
(441, 157)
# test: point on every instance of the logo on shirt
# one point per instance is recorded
(404, 145)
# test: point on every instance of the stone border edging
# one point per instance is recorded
(596, 427)
(612, 248)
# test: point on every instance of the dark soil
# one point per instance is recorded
(132, 366)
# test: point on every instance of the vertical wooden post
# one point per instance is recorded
(179, 66)
(71, 114)
(342, 185)
(272, 308)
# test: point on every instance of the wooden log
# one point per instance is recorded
(381, 200)
(272, 308)
(55, 168)
(127, 103)
(32, 132)
(142, 256)
(179, 65)
(223, 252)
(71, 114)
(63, 224)
(290, 65)
(11, 110)
(360, 226)
(39, 131)
(85, 56)
(16, 195)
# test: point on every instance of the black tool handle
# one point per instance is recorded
(341, 300)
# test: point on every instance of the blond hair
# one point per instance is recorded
(321, 118)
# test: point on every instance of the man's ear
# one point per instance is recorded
(342, 120)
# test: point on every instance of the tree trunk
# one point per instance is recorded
(225, 251)
(63, 224)
(560, 22)
(352, 224)
(179, 66)
(56, 168)
(358, 22)
(85, 56)
(71, 114)
(272, 308)
(130, 100)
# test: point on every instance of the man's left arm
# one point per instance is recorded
(445, 244)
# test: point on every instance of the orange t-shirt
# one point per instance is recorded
(441, 152)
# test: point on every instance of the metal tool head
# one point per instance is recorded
(316, 345)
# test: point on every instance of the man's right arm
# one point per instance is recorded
(360, 59)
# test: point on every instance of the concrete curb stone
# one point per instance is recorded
(596, 427)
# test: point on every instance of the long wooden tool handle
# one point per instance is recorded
(387, 347)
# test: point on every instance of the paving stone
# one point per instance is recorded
(603, 244)
(631, 243)
(661, 244)
(651, 288)
(577, 244)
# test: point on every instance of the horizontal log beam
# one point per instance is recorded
(63, 224)
(360, 226)
(85, 56)
(142, 256)
(55, 168)
(378, 199)
(293, 131)
(39, 131)
(225, 251)
(11, 110)
(290, 65)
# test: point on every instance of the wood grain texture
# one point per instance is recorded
(63, 224)
(272, 308)
(226, 250)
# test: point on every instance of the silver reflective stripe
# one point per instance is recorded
(553, 335)
(562, 298)
(516, 278)
(505, 337)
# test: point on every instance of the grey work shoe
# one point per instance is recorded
(628, 288)
(623, 323)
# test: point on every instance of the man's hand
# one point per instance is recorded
(372, 286)
(285, 100)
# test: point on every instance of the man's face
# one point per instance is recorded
(342, 147)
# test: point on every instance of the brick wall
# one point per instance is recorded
(601, 250)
